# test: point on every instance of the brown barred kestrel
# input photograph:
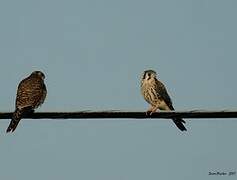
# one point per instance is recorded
(155, 93)
(31, 94)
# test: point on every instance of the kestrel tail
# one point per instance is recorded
(31, 94)
(155, 93)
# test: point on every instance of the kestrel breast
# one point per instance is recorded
(149, 93)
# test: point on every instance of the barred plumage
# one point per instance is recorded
(155, 93)
(31, 94)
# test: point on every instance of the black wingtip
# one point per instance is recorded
(184, 129)
(180, 124)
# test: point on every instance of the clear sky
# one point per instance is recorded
(93, 54)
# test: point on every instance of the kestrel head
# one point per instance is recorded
(38, 74)
(148, 74)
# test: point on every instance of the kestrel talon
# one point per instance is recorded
(155, 93)
(31, 94)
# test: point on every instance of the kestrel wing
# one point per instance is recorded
(162, 92)
(43, 94)
(29, 93)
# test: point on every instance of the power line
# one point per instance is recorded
(114, 114)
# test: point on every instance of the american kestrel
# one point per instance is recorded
(31, 94)
(155, 93)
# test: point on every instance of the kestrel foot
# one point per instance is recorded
(153, 110)
(148, 112)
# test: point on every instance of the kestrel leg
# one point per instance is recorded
(149, 110)
(154, 109)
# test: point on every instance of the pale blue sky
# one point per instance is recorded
(93, 54)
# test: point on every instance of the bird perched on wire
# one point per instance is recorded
(31, 94)
(155, 93)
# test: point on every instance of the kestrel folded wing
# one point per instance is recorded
(31, 92)
(163, 94)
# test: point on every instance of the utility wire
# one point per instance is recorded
(114, 114)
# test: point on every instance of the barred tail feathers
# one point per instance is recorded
(16, 117)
